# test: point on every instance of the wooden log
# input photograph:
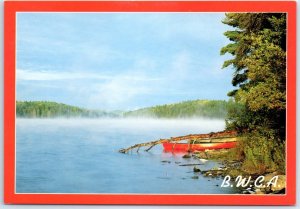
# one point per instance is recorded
(224, 136)
(192, 164)
(150, 147)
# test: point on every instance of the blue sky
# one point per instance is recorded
(121, 60)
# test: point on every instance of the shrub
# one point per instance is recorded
(263, 153)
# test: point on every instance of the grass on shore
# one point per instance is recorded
(257, 154)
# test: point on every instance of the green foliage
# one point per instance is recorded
(45, 109)
(187, 109)
(258, 49)
(269, 156)
(259, 61)
(236, 119)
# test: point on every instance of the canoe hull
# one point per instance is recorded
(184, 147)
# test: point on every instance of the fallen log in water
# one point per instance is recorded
(192, 164)
(192, 138)
(150, 144)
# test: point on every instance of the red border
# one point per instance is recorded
(10, 9)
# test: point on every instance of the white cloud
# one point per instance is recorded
(43, 75)
(119, 90)
(105, 91)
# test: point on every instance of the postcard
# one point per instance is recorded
(150, 102)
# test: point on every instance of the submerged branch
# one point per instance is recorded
(192, 138)
(192, 164)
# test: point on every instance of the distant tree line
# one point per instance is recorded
(46, 109)
(187, 109)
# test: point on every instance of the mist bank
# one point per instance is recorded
(188, 109)
(177, 127)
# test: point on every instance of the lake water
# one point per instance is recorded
(81, 156)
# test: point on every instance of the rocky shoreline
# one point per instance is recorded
(266, 183)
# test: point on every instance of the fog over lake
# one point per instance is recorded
(81, 156)
(137, 125)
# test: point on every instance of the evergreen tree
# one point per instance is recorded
(258, 48)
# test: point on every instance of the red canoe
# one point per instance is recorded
(171, 146)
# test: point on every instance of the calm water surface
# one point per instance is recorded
(81, 156)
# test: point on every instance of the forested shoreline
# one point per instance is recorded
(47, 109)
(186, 109)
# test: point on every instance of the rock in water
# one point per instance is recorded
(201, 155)
(186, 156)
(279, 185)
(196, 169)
(203, 160)
(258, 191)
